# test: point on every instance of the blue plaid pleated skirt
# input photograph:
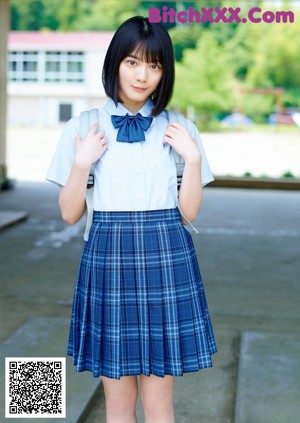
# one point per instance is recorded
(139, 304)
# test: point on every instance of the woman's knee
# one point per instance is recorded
(120, 395)
(157, 398)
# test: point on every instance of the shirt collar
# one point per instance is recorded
(119, 109)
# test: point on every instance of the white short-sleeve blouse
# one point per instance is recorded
(129, 176)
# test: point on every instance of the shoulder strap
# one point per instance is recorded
(87, 119)
(173, 116)
(176, 117)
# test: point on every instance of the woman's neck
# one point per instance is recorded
(134, 107)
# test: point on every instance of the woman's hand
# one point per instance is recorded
(91, 148)
(72, 195)
(182, 142)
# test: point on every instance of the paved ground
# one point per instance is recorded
(248, 249)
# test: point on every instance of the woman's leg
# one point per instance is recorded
(157, 398)
(120, 396)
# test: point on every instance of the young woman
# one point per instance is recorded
(139, 305)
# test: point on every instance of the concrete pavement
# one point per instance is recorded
(248, 250)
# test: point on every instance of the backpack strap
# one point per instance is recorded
(87, 119)
(173, 116)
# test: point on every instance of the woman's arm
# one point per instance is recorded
(190, 193)
(72, 195)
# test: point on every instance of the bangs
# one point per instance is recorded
(148, 50)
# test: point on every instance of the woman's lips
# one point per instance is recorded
(139, 89)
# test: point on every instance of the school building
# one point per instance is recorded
(52, 76)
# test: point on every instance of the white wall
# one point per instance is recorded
(37, 104)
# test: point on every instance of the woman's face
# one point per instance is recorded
(137, 81)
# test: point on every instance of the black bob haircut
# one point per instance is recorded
(153, 44)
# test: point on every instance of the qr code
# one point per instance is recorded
(35, 387)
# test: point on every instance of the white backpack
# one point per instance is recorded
(87, 120)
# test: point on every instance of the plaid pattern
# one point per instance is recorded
(139, 304)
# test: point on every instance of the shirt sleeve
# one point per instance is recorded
(206, 174)
(63, 158)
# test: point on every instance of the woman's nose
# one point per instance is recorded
(142, 73)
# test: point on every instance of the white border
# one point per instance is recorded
(63, 387)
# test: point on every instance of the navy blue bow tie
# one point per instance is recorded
(131, 127)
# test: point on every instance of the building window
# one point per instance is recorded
(49, 66)
(23, 66)
(65, 112)
(64, 67)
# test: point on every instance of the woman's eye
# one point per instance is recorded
(155, 66)
(131, 62)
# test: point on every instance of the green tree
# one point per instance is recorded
(276, 61)
(106, 15)
(258, 107)
(27, 16)
(204, 80)
(241, 49)
(276, 58)
(70, 15)
(33, 15)
(183, 37)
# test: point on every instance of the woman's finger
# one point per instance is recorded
(93, 129)
(175, 125)
(170, 132)
(103, 141)
(100, 135)
(168, 140)
(173, 128)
